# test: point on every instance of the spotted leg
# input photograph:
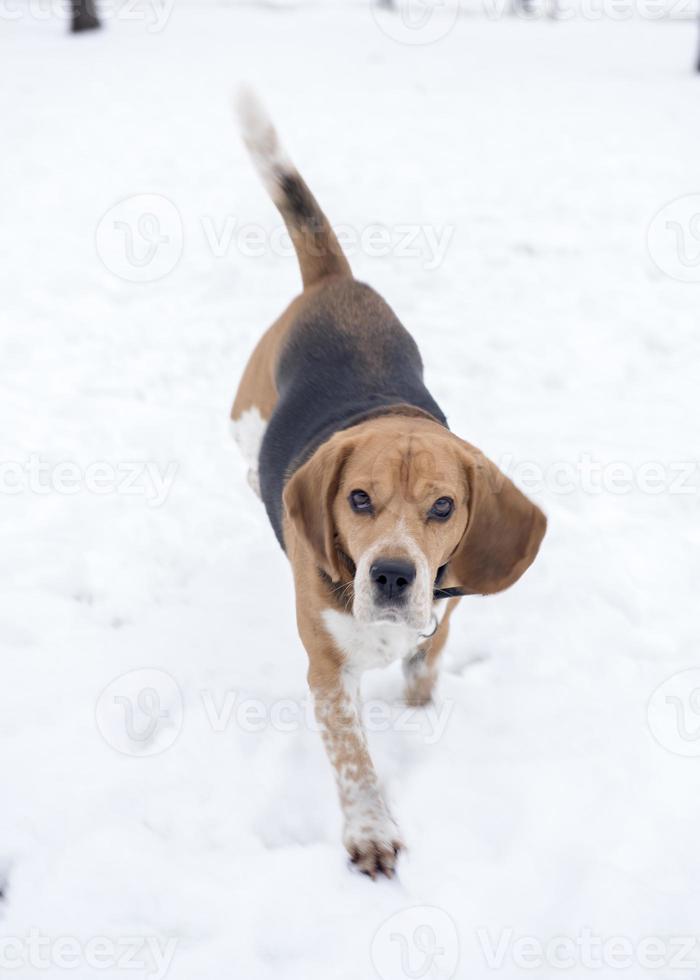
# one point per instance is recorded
(370, 835)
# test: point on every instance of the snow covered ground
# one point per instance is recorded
(184, 815)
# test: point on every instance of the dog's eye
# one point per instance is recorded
(360, 501)
(442, 508)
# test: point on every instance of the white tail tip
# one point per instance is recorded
(260, 137)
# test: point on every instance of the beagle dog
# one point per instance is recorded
(382, 511)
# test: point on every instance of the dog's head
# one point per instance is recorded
(406, 505)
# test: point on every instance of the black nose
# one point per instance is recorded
(392, 578)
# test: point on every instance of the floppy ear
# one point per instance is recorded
(308, 500)
(504, 529)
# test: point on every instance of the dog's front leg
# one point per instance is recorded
(370, 834)
(421, 668)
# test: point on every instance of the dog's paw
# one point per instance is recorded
(374, 846)
(376, 857)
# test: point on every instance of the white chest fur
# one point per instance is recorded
(368, 645)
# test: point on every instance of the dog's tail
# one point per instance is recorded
(318, 250)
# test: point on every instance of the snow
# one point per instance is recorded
(550, 793)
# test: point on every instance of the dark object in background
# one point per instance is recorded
(84, 16)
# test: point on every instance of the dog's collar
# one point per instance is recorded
(433, 631)
(449, 593)
(439, 592)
